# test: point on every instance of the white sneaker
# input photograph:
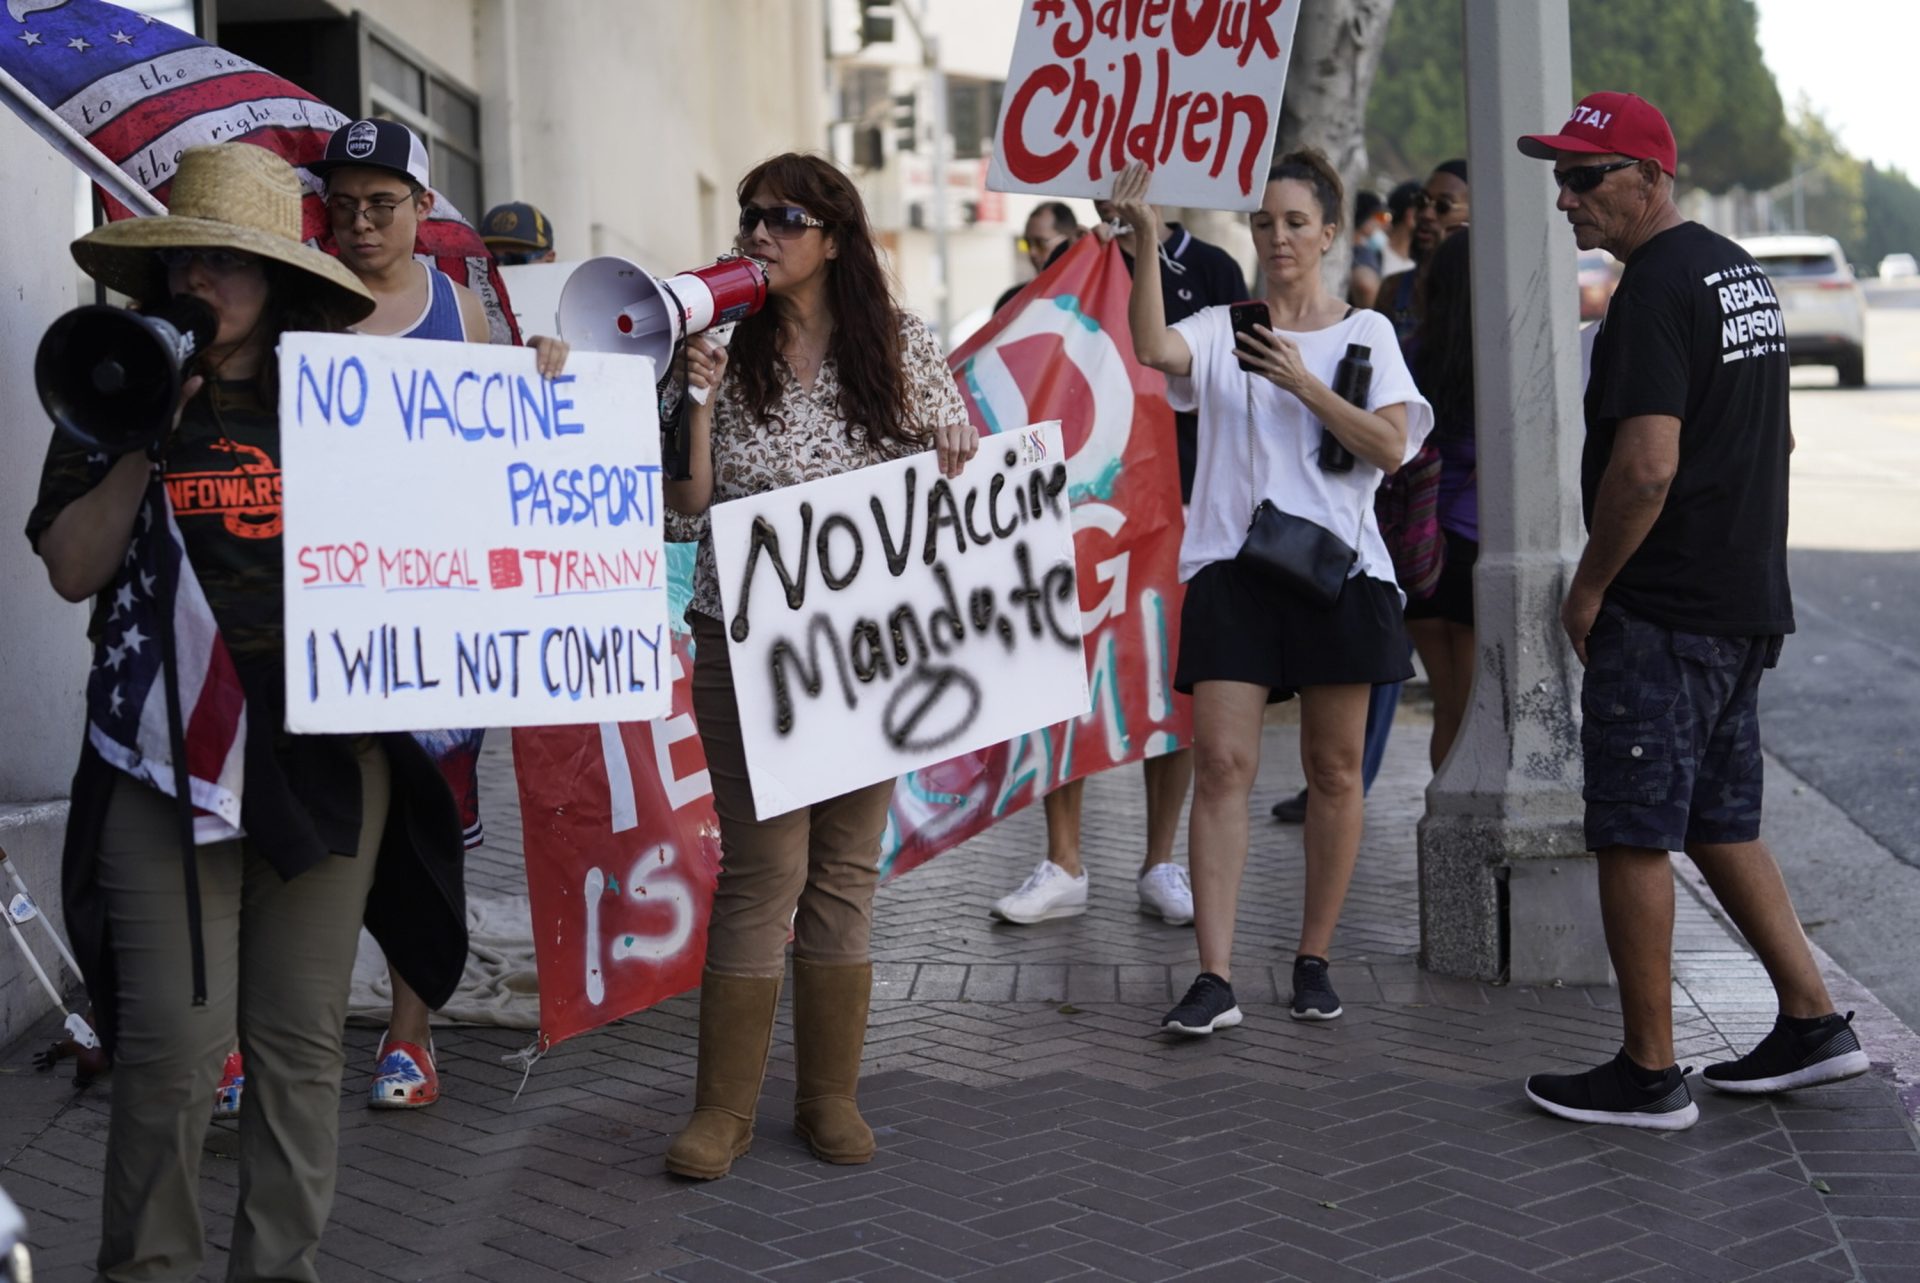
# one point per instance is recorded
(1049, 892)
(1164, 890)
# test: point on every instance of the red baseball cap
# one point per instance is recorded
(1623, 124)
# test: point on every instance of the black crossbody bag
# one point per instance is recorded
(1301, 556)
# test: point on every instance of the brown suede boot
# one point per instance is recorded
(736, 1029)
(829, 1033)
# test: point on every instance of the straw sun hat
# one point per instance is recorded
(226, 196)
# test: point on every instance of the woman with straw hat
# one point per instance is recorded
(255, 934)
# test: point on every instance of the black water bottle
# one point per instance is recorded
(1352, 380)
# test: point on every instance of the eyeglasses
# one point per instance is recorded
(222, 262)
(1581, 179)
(784, 222)
(345, 211)
(1442, 206)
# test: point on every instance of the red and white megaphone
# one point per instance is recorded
(614, 305)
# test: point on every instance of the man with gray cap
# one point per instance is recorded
(1679, 604)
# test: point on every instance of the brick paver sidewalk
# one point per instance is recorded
(1035, 1125)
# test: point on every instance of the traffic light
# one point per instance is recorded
(876, 22)
(906, 122)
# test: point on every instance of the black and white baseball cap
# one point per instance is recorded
(377, 144)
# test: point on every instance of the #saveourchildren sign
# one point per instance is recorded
(466, 543)
(1191, 88)
(889, 618)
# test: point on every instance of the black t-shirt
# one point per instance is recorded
(1694, 332)
(222, 473)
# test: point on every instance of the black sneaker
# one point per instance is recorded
(1786, 1059)
(1313, 995)
(1291, 810)
(1610, 1094)
(1208, 1006)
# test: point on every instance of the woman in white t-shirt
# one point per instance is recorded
(1247, 641)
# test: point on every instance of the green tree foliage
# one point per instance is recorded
(1698, 60)
(1832, 185)
(1892, 215)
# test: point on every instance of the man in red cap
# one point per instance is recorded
(1679, 604)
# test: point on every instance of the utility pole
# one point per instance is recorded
(1506, 884)
(917, 18)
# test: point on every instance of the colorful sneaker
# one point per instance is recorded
(1164, 890)
(405, 1077)
(1208, 1006)
(1612, 1094)
(233, 1085)
(1049, 892)
(1313, 995)
(1820, 1051)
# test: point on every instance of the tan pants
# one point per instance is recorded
(279, 957)
(822, 859)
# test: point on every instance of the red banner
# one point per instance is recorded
(621, 840)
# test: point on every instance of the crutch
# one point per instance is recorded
(81, 1042)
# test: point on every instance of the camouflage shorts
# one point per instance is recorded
(1671, 734)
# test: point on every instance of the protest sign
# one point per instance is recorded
(902, 615)
(467, 543)
(622, 842)
(1191, 88)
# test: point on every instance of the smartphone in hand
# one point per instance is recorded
(1243, 317)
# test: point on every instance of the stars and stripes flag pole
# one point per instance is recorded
(121, 95)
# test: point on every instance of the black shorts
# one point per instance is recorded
(1452, 597)
(1671, 734)
(1238, 626)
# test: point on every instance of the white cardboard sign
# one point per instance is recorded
(466, 543)
(1190, 87)
(888, 618)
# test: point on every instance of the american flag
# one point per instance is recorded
(122, 95)
(156, 593)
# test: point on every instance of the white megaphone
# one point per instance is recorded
(614, 305)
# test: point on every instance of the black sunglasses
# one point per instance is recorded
(1584, 178)
(1442, 206)
(783, 221)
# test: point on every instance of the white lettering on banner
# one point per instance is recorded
(653, 880)
(467, 543)
(1191, 89)
(902, 616)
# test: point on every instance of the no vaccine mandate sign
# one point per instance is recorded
(467, 544)
(1191, 88)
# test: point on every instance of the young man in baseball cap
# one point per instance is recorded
(1679, 605)
(377, 196)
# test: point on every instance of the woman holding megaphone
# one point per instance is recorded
(831, 377)
(243, 918)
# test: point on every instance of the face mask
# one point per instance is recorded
(1378, 240)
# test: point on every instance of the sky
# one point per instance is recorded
(1854, 59)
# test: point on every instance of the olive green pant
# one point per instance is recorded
(815, 867)
(279, 959)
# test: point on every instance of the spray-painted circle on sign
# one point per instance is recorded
(361, 138)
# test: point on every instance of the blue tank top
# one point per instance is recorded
(442, 319)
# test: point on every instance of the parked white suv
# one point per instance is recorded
(1823, 306)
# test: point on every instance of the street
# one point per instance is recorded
(1841, 711)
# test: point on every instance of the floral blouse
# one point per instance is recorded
(804, 438)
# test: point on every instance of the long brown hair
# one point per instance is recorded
(865, 345)
(1443, 338)
(292, 304)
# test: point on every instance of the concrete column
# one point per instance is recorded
(1506, 887)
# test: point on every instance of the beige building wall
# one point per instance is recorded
(43, 644)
